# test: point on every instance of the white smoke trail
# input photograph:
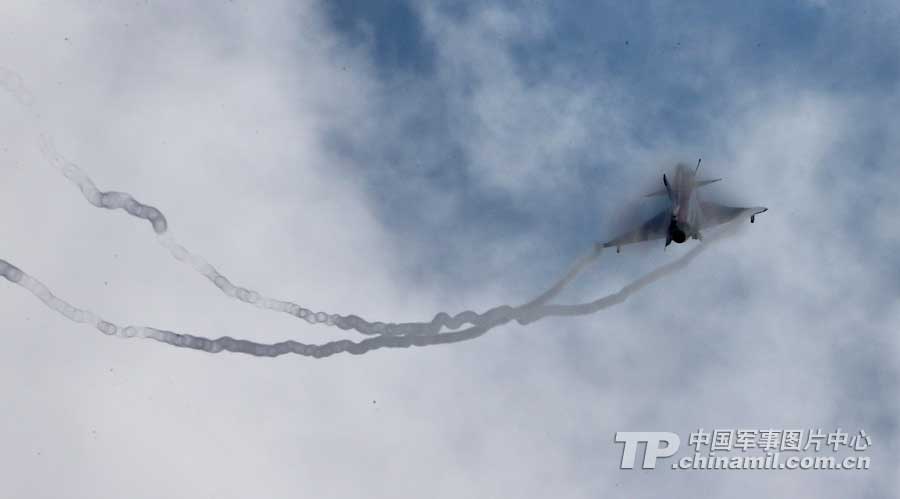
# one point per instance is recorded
(393, 335)
(482, 323)
(113, 200)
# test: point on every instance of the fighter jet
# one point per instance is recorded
(686, 215)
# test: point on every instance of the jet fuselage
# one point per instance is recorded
(686, 213)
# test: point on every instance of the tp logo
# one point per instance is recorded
(631, 439)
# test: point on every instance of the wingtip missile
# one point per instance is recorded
(753, 216)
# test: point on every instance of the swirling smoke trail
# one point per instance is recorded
(482, 322)
(385, 335)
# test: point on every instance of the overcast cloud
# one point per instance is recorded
(395, 160)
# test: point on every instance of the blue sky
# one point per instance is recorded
(679, 72)
(394, 160)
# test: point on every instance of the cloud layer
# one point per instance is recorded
(394, 161)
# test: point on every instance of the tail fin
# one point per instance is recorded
(665, 190)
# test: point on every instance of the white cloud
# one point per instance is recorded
(217, 115)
